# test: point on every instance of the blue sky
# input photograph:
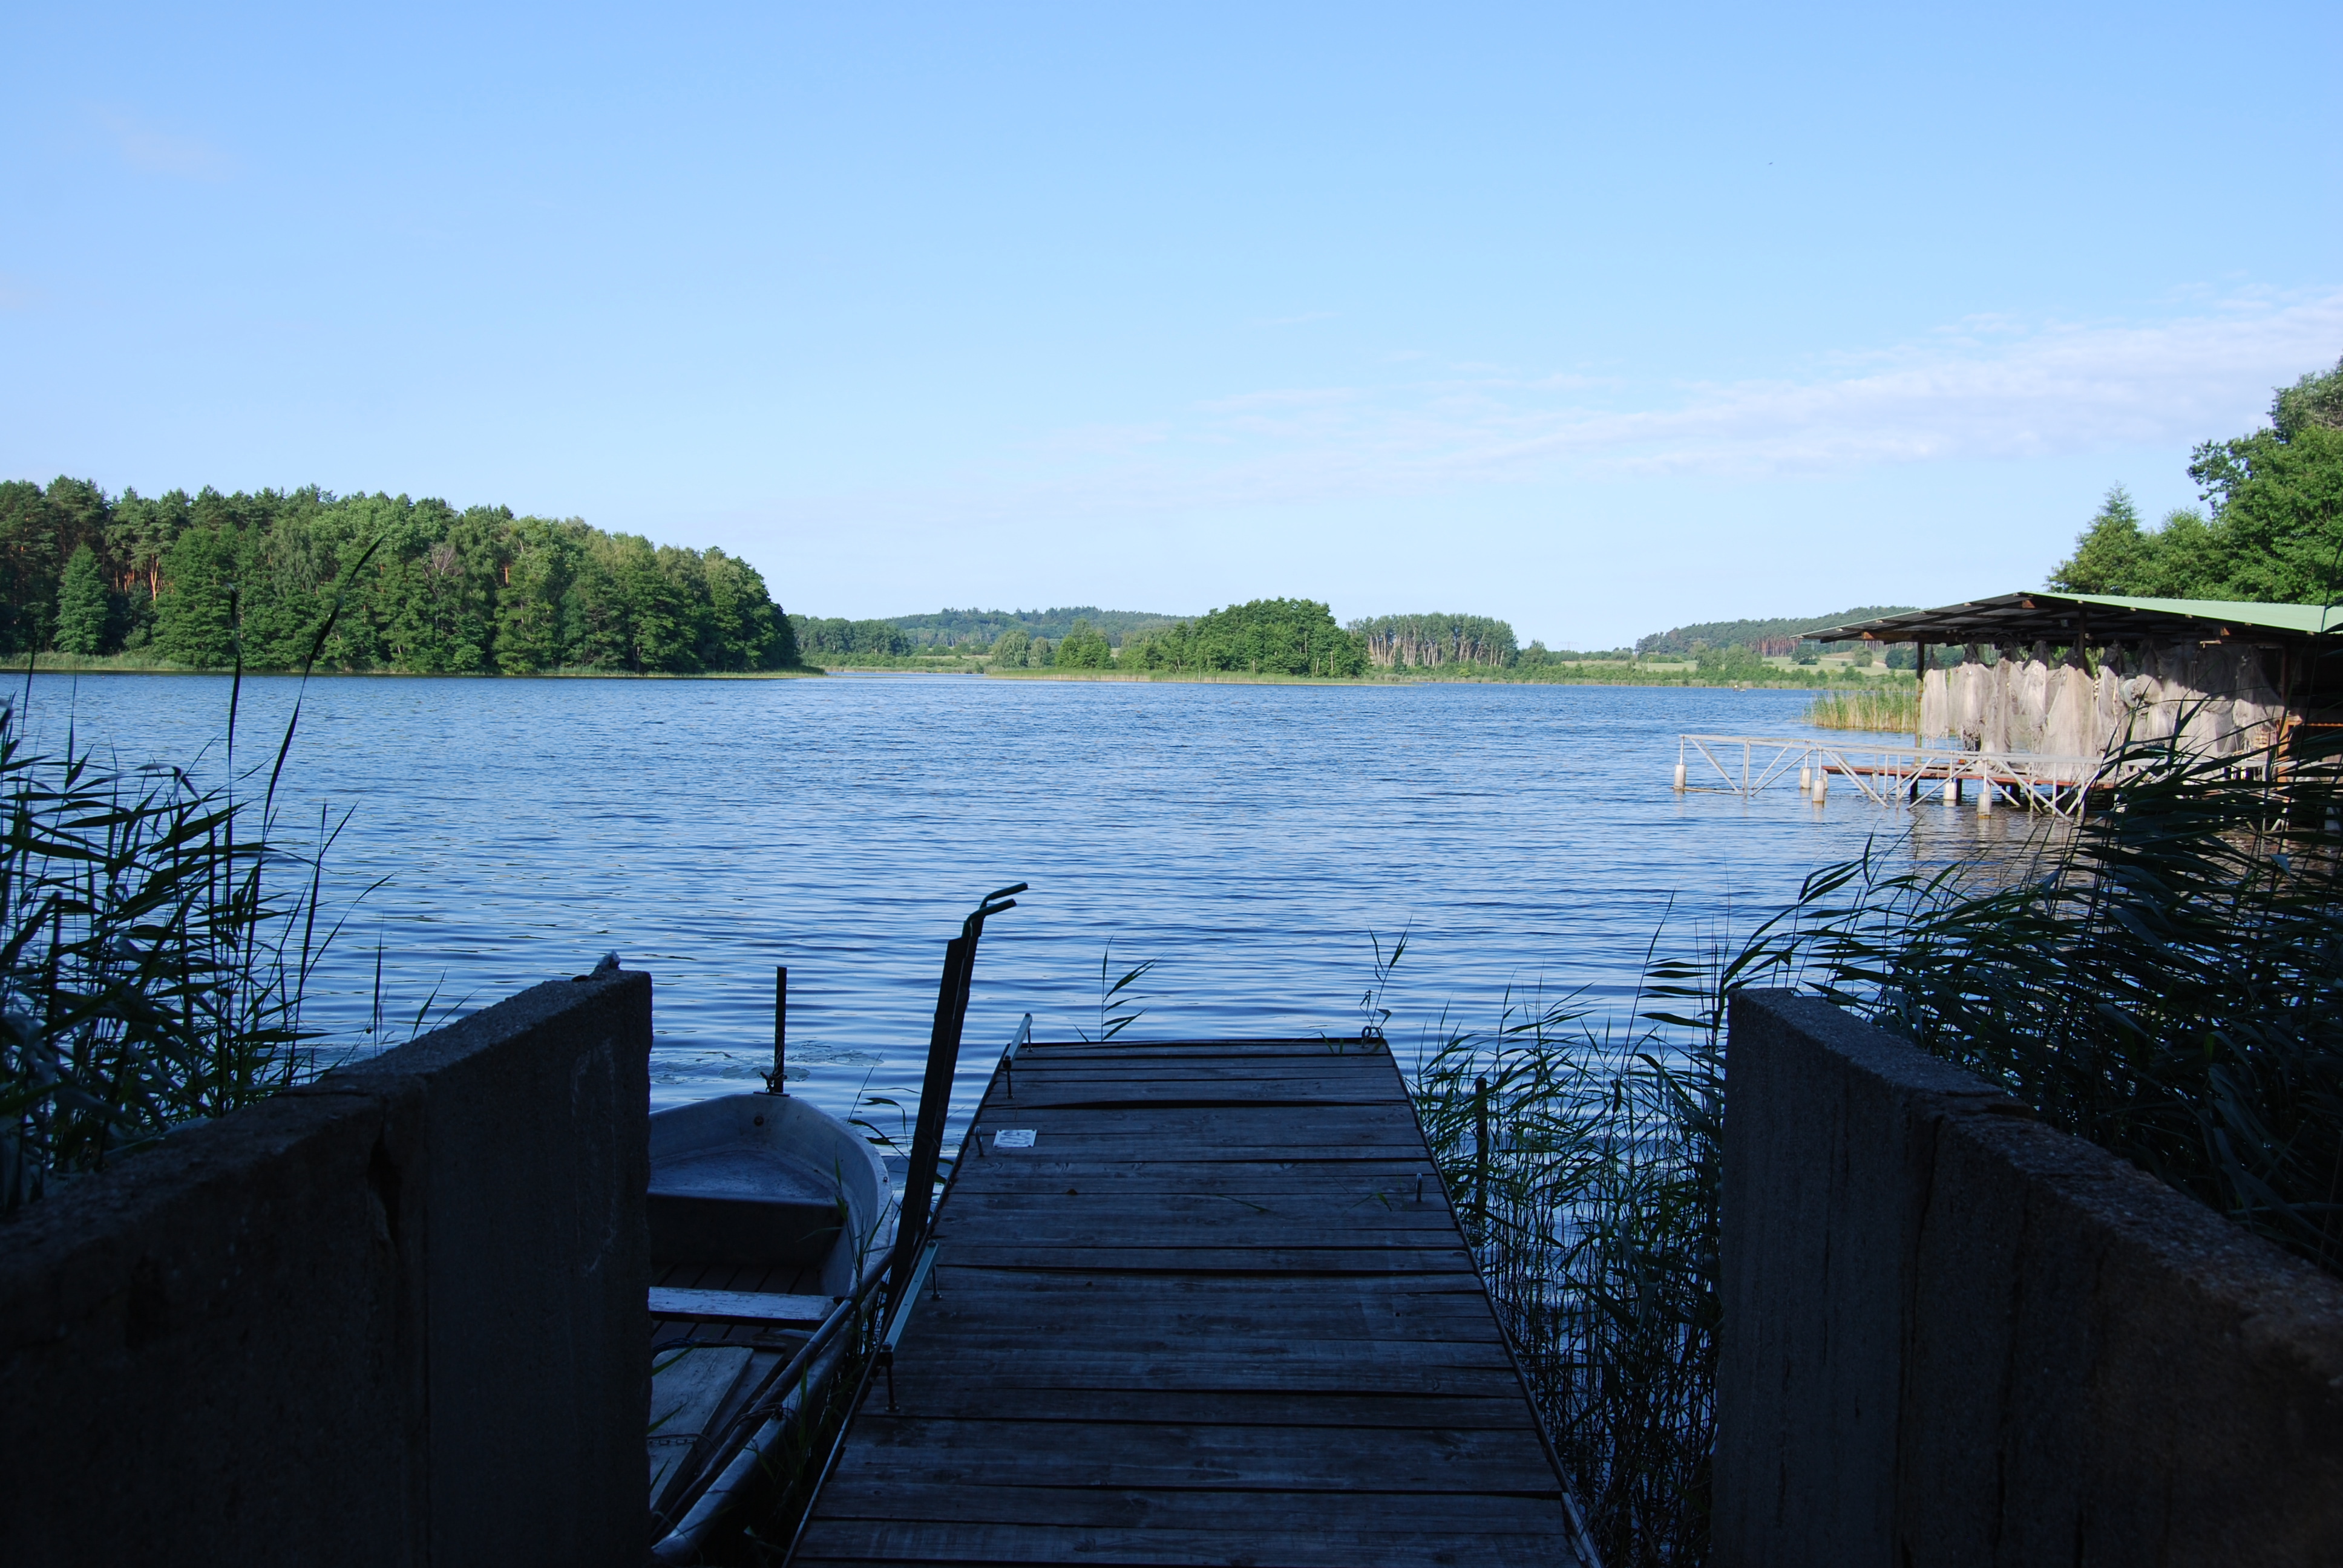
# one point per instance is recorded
(1598, 318)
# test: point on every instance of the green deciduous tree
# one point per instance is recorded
(1265, 636)
(1085, 647)
(2275, 533)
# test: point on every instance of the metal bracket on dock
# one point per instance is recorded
(902, 1315)
(2060, 786)
(1024, 1036)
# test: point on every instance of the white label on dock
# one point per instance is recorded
(1014, 1138)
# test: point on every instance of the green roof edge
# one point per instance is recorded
(2314, 618)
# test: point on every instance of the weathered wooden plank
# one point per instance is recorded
(1279, 1171)
(1346, 1069)
(999, 1451)
(1327, 1544)
(1470, 1511)
(1233, 1370)
(1277, 1168)
(1218, 1312)
(1423, 1319)
(737, 1306)
(1450, 1292)
(1002, 1189)
(687, 1388)
(1234, 1225)
(1022, 1203)
(1173, 1261)
(1501, 1410)
(1334, 1363)
(1356, 1072)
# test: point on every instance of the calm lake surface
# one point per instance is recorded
(1247, 838)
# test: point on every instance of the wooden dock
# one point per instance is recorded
(1217, 1311)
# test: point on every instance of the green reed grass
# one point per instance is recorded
(156, 938)
(2166, 980)
(155, 941)
(1583, 1156)
(1893, 710)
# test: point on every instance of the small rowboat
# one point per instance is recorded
(771, 1221)
(772, 1227)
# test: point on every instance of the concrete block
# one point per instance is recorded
(1953, 1335)
(394, 1316)
(537, 1111)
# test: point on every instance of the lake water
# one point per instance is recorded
(1246, 837)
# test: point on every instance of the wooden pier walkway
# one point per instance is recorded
(1218, 1310)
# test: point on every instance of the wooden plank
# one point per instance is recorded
(1074, 1407)
(1218, 1311)
(1470, 1511)
(687, 1388)
(988, 1452)
(737, 1306)
(1336, 1321)
(1020, 1289)
(1197, 1373)
(1234, 1226)
(1312, 1542)
(1075, 1258)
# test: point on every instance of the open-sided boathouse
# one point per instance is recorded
(1196, 1302)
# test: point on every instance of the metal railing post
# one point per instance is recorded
(778, 1082)
(1480, 1159)
(935, 1088)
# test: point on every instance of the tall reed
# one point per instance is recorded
(1895, 710)
(2166, 981)
(156, 938)
(1583, 1155)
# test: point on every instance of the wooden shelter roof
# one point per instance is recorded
(2097, 619)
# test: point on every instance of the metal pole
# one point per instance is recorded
(935, 1090)
(935, 1099)
(1480, 1159)
(778, 1083)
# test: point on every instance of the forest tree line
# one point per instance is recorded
(1265, 636)
(1429, 641)
(423, 587)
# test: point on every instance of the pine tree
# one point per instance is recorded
(80, 604)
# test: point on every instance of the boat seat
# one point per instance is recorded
(739, 1306)
(737, 1205)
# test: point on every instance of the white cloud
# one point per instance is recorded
(1983, 387)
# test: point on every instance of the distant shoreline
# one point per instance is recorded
(67, 664)
(63, 665)
(1227, 677)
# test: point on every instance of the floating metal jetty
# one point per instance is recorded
(1190, 1303)
(1745, 764)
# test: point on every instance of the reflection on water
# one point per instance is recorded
(1247, 838)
